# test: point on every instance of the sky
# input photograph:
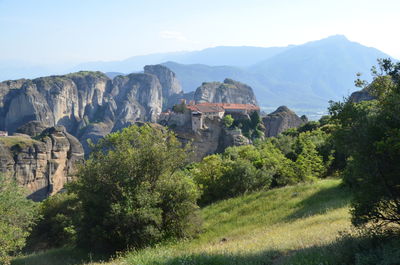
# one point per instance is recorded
(75, 31)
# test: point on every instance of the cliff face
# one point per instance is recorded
(213, 138)
(229, 91)
(280, 120)
(170, 84)
(43, 166)
(88, 104)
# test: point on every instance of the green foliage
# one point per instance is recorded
(179, 108)
(368, 133)
(60, 215)
(309, 126)
(309, 164)
(228, 120)
(240, 170)
(132, 193)
(17, 215)
(255, 228)
(251, 128)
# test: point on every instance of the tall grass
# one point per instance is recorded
(290, 225)
(259, 228)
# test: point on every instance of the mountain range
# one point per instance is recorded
(303, 77)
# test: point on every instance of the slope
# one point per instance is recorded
(277, 226)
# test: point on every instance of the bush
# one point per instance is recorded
(228, 120)
(60, 215)
(17, 215)
(132, 192)
(239, 170)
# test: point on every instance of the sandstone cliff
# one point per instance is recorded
(280, 120)
(43, 164)
(229, 91)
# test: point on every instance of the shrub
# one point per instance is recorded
(239, 170)
(17, 215)
(228, 120)
(132, 193)
(60, 215)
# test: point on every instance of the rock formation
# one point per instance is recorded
(212, 138)
(42, 164)
(280, 120)
(361, 95)
(170, 84)
(88, 104)
(229, 91)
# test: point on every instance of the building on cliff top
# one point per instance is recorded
(218, 108)
(194, 114)
(3, 133)
(211, 110)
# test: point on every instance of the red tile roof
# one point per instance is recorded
(220, 107)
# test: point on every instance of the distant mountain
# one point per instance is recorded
(267, 92)
(303, 77)
(324, 68)
(243, 56)
(130, 65)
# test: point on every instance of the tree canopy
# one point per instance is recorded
(368, 133)
(132, 192)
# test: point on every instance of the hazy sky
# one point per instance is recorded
(59, 31)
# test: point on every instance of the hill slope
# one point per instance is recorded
(280, 226)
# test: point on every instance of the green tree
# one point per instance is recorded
(309, 164)
(132, 193)
(228, 120)
(60, 215)
(368, 133)
(17, 216)
(207, 174)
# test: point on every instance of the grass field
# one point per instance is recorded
(290, 225)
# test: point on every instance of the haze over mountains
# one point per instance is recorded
(303, 77)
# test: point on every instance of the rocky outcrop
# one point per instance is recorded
(229, 91)
(170, 84)
(212, 138)
(44, 164)
(362, 95)
(280, 120)
(88, 104)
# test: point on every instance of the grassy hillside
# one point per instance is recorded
(289, 225)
